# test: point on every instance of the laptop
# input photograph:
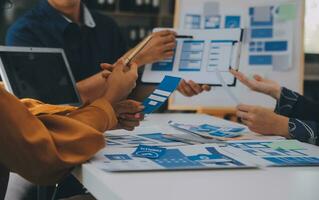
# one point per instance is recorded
(38, 73)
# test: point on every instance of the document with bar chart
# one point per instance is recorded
(198, 55)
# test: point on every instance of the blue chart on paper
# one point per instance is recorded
(174, 158)
(191, 56)
(161, 94)
(278, 157)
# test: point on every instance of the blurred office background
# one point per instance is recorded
(138, 17)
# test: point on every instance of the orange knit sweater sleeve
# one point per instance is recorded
(43, 149)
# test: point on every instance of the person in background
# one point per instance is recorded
(294, 117)
(89, 39)
(44, 149)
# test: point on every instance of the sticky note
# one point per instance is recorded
(160, 95)
(151, 152)
(287, 12)
(286, 145)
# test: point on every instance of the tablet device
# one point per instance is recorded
(38, 73)
(198, 55)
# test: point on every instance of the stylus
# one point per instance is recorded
(137, 50)
(184, 37)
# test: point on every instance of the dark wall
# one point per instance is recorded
(10, 13)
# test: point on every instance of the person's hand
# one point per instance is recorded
(107, 69)
(191, 88)
(160, 47)
(262, 120)
(120, 83)
(259, 84)
(129, 114)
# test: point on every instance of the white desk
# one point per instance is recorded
(289, 183)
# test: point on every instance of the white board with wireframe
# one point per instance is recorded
(272, 47)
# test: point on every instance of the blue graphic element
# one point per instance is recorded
(157, 136)
(262, 33)
(257, 18)
(223, 134)
(193, 45)
(250, 145)
(169, 84)
(174, 158)
(276, 46)
(218, 155)
(188, 55)
(191, 56)
(189, 65)
(208, 127)
(293, 161)
(162, 66)
(260, 60)
(212, 22)
(192, 22)
(118, 156)
(151, 152)
(232, 22)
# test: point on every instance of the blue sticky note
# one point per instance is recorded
(160, 95)
(232, 22)
(276, 46)
(151, 152)
(260, 60)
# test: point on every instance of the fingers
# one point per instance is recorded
(247, 123)
(191, 88)
(258, 77)
(245, 108)
(165, 33)
(107, 66)
(185, 89)
(169, 46)
(119, 65)
(195, 87)
(243, 115)
(106, 74)
(130, 121)
(168, 54)
(128, 125)
(132, 117)
(129, 107)
(206, 88)
(133, 72)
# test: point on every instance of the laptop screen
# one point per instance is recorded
(42, 76)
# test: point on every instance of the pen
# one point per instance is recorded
(184, 37)
(136, 50)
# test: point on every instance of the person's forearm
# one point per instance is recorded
(99, 115)
(142, 91)
(92, 88)
(43, 149)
